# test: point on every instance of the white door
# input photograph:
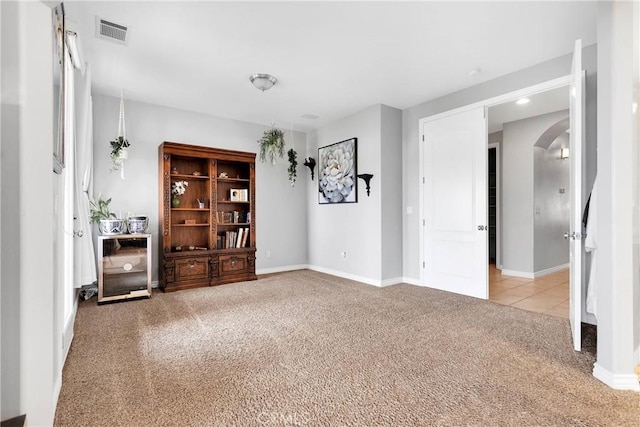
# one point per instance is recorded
(455, 204)
(576, 104)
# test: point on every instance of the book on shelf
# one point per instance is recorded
(232, 217)
(239, 239)
(244, 237)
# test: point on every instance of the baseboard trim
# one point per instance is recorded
(281, 269)
(391, 282)
(516, 273)
(411, 281)
(67, 336)
(344, 275)
(551, 270)
(535, 274)
(616, 381)
(67, 339)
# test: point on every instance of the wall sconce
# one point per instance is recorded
(564, 153)
(366, 177)
(311, 164)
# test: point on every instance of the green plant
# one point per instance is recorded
(116, 147)
(271, 145)
(99, 209)
(293, 164)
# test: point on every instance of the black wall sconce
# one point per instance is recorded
(311, 164)
(366, 177)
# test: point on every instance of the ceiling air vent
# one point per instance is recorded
(108, 30)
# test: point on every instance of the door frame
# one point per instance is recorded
(489, 102)
(496, 145)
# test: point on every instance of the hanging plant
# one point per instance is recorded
(117, 149)
(119, 145)
(293, 164)
(271, 145)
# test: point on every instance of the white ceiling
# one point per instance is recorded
(332, 59)
(540, 103)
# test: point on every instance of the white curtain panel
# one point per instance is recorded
(84, 255)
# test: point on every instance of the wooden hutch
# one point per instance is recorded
(207, 237)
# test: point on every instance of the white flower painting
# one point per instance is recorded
(337, 173)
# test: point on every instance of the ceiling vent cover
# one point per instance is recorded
(108, 30)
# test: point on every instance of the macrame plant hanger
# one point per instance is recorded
(122, 133)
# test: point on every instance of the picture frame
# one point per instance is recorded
(239, 195)
(337, 172)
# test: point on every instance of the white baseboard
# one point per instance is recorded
(516, 273)
(344, 275)
(67, 335)
(381, 284)
(281, 269)
(535, 274)
(411, 281)
(616, 381)
(391, 282)
(547, 271)
(67, 339)
(155, 284)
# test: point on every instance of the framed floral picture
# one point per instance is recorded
(337, 172)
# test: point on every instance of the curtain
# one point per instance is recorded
(84, 255)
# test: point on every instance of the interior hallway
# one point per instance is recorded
(548, 294)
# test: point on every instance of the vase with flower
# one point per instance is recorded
(177, 189)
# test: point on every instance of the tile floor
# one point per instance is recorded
(548, 294)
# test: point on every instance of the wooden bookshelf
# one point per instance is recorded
(211, 244)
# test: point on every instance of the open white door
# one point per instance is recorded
(576, 105)
(455, 203)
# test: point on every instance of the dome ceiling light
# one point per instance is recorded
(263, 81)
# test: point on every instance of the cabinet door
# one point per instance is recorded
(196, 268)
(233, 264)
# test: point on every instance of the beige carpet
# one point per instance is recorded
(304, 348)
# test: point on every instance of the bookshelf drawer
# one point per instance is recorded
(233, 264)
(192, 268)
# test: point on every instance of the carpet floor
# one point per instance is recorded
(308, 349)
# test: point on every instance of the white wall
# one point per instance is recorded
(518, 139)
(357, 228)
(389, 184)
(618, 286)
(551, 206)
(30, 331)
(543, 72)
(281, 210)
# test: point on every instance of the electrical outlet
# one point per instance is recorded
(267, 254)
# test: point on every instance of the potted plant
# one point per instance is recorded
(108, 222)
(178, 188)
(293, 164)
(271, 145)
(119, 151)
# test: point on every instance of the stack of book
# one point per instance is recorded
(233, 239)
(233, 217)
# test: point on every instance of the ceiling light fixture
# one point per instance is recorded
(523, 101)
(263, 81)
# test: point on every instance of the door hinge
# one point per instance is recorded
(422, 138)
(423, 264)
(424, 222)
(424, 180)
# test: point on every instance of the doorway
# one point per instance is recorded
(533, 136)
